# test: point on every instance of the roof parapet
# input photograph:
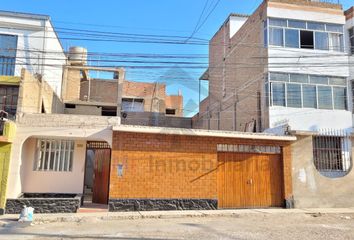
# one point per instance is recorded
(332, 4)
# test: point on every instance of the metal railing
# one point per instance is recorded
(326, 1)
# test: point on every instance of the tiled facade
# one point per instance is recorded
(158, 166)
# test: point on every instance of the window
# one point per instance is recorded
(332, 153)
(307, 91)
(340, 98)
(8, 45)
(297, 24)
(276, 37)
(338, 81)
(277, 22)
(170, 111)
(321, 41)
(299, 78)
(293, 95)
(8, 99)
(324, 97)
(54, 155)
(278, 94)
(292, 38)
(319, 79)
(306, 38)
(309, 96)
(335, 42)
(307, 35)
(351, 37)
(132, 105)
(334, 28)
(282, 77)
(316, 26)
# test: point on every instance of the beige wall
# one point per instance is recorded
(52, 182)
(156, 119)
(33, 93)
(78, 127)
(310, 188)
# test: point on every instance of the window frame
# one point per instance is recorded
(307, 82)
(324, 29)
(8, 63)
(332, 155)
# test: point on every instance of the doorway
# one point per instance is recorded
(97, 171)
(249, 180)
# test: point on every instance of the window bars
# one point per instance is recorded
(54, 155)
(332, 152)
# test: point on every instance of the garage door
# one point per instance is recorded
(249, 180)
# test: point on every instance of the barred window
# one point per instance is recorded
(332, 154)
(54, 155)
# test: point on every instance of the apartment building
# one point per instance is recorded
(349, 14)
(29, 41)
(284, 69)
(284, 64)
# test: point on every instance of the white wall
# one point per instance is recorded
(293, 60)
(34, 45)
(52, 182)
(236, 23)
(307, 119)
(308, 61)
(317, 16)
(54, 126)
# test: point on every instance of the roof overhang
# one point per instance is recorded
(24, 15)
(205, 75)
(10, 80)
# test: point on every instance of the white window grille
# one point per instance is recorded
(54, 155)
(242, 148)
(332, 153)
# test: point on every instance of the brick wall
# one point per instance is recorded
(101, 90)
(171, 166)
(175, 102)
(236, 68)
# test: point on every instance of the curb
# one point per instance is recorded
(9, 220)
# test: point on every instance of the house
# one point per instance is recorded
(284, 69)
(256, 60)
(349, 14)
(29, 41)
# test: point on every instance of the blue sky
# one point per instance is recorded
(163, 17)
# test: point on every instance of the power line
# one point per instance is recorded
(199, 19)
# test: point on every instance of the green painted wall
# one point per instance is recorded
(5, 156)
(5, 152)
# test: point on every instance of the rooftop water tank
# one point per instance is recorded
(77, 56)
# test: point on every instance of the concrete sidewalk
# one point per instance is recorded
(87, 217)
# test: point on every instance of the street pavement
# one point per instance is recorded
(221, 224)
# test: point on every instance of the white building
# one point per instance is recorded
(350, 42)
(30, 41)
(286, 64)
